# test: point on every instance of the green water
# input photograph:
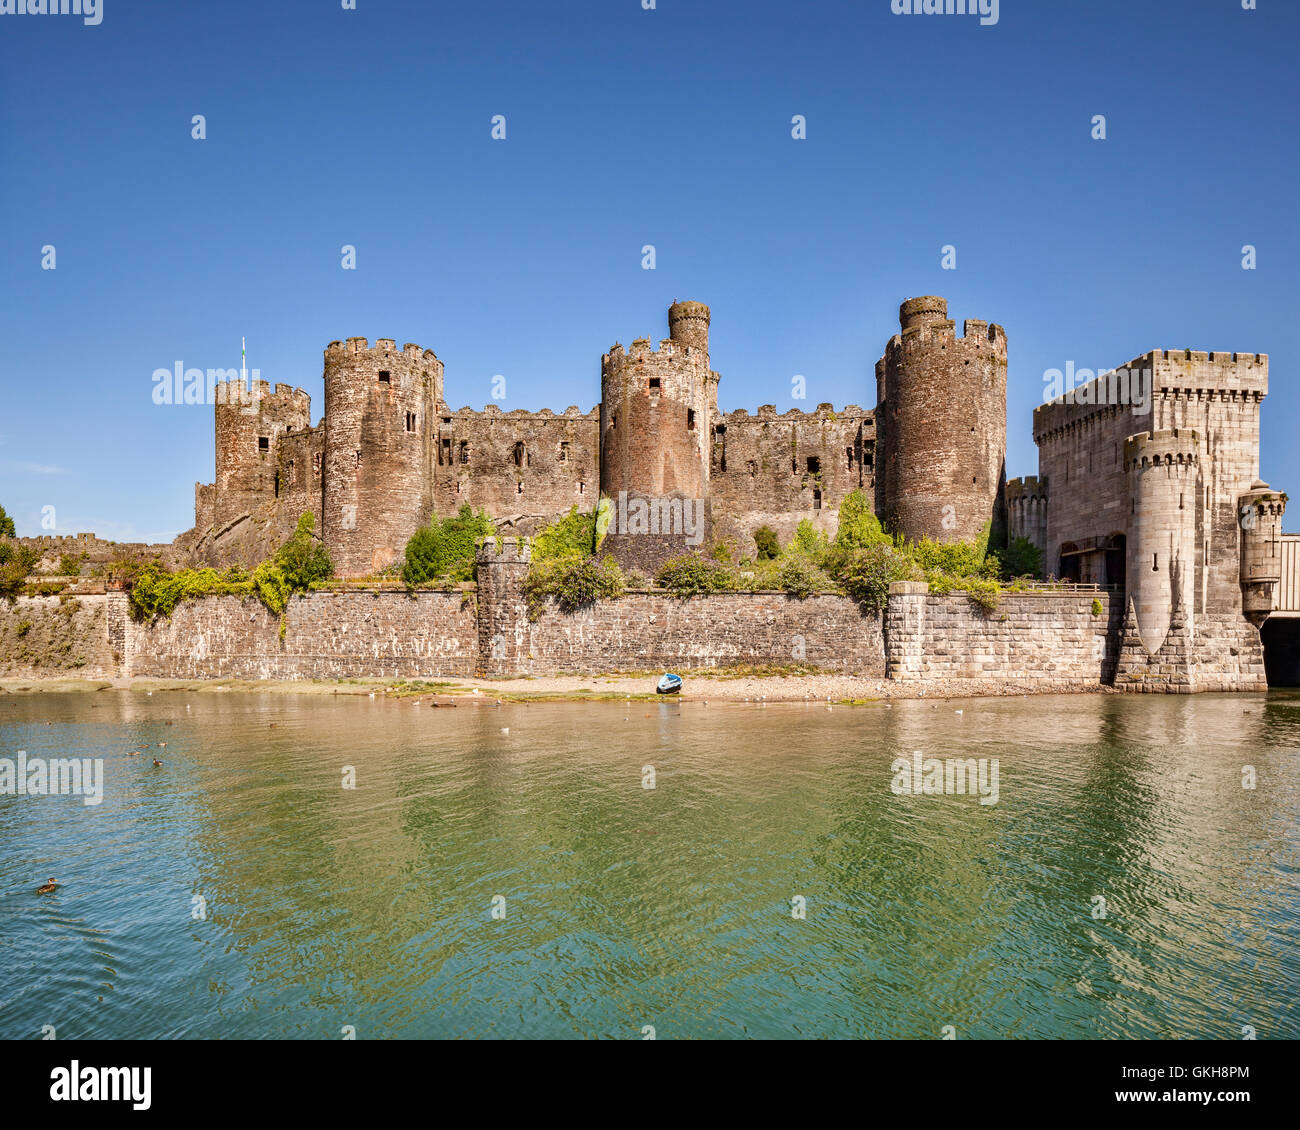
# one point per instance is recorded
(669, 907)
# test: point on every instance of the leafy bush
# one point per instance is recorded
(954, 558)
(801, 578)
(769, 545)
(721, 552)
(867, 572)
(303, 559)
(16, 562)
(809, 542)
(445, 547)
(156, 592)
(70, 564)
(7, 528)
(691, 575)
(859, 526)
(574, 535)
(1097, 608)
(573, 581)
(1022, 558)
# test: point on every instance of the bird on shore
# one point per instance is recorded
(48, 889)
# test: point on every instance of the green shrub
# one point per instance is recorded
(70, 564)
(16, 562)
(573, 581)
(7, 528)
(303, 559)
(691, 575)
(955, 558)
(801, 578)
(1097, 608)
(445, 547)
(23, 628)
(810, 542)
(1022, 558)
(859, 526)
(769, 545)
(866, 573)
(574, 535)
(721, 552)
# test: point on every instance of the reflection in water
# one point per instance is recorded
(1125, 885)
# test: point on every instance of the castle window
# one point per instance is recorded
(848, 453)
(519, 488)
(410, 421)
(817, 499)
(690, 419)
(564, 452)
(521, 459)
(291, 472)
(654, 384)
(263, 443)
(1155, 563)
(464, 451)
(277, 484)
(814, 465)
(444, 452)
(582, 488)
(315, 463)
(385, 377)
(446, 419)
(358, 459)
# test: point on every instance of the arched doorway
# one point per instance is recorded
(1116, 561)
(1281, 637)
(1069, 568)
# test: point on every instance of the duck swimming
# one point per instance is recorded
(48, 889)
(157, 764)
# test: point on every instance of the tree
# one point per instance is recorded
(304, 559)
(7, 529)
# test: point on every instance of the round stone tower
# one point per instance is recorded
(1164, 471)
(380, 429)
(249, 425)
(655, 413)
(941, 421)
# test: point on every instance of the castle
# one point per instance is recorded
(389, 452)
(1159, 500)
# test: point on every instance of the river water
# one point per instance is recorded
(772, 883)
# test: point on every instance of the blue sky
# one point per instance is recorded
(625, 127)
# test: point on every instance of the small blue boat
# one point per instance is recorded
(669, 684)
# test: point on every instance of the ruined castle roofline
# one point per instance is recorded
(573, 412)
(1026, 486)
(285, 395)
(382, 345)
(976, 333)
(642, 347)
(823, 411)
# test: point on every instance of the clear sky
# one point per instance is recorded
(624, 127)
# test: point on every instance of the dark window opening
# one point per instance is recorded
(385, 377)
(814, 465)
(1155, 563)
(848, 455)
(817, 499)
(582, 488)
(521, 459)
(410, 421)
(519, 489)
(315, 464)
(464, 451)
(358, 459)
(277, 484)
(446, 419)
(263, 443)
(654, 384)
(690, 419)
(564, 452)
(444, 452)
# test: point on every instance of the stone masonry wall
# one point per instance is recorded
(328, 635)
(52, 636)
(657, 631)
(1031, 637)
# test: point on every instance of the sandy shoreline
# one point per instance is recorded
(698, 686)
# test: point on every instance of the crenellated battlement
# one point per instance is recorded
(1025, 488)
(1176, 447)
(384, 346)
